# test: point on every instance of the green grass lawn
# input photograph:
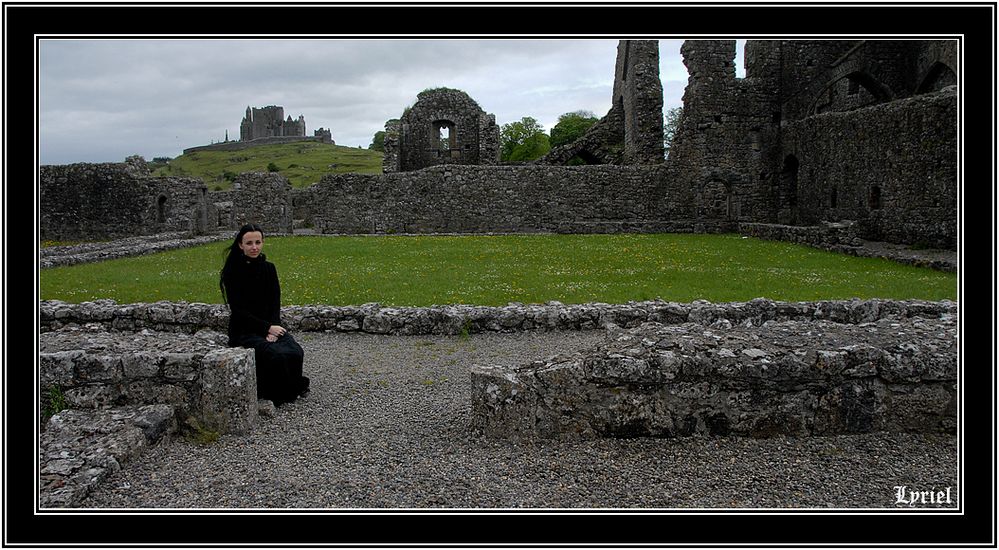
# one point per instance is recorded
(303, 163)
(495, 270)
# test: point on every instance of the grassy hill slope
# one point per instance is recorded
(303, 163)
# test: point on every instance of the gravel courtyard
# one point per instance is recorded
(387, 426)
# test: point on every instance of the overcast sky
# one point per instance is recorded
(103, 100)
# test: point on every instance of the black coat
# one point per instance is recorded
(254, 296)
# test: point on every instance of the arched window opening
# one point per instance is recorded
(832, 197)
(853, 91)
(443, 135)
(445, 138)
(937, 78)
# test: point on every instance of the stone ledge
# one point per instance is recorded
(781, 378)
(81, 448)
(184, 317)
(198, 375)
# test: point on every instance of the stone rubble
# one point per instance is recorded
(80, 449)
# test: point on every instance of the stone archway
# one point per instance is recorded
(835, 96)
(938, 77)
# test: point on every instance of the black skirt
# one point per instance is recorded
(279, 367)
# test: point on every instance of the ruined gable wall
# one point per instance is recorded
(108, 200)
(419, 143)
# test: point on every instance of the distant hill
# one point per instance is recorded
(303, 163)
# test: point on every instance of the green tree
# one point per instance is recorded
(571, 126)
(378, 142)
(671, 121)
(534, 147)
(525, 138)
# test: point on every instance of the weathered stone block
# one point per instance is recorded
(80, 449)
(180, 366)
(98, 368)
(57, 369)
(141, 365)
(227, 398)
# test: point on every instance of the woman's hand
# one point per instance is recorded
(271, 338)
(276, 331)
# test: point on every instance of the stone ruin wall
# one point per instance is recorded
(894, 172)
(200, 376)
(719, 152)
(99, 201)
(446, 199)
(638, 89)
(757, 378)
(191, 317)
(264, 199)
(124, 393)
(822, 131)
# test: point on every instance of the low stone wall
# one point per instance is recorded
(773, 378)
(845, 239)
(819, 236)
(199, 376)
(54, 256)
(184, 317)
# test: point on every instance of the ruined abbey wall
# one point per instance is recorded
(895, 170)
(455, 198)
(262, 198)
(97, 201)
(822, 131)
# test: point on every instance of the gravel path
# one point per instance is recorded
(387, 426)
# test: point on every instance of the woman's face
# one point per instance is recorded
(252, 243)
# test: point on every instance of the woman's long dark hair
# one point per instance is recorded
(233, 253)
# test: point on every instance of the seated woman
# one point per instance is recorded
(249, 284)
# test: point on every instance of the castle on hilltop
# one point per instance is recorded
(265, 126)
(269, 122)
